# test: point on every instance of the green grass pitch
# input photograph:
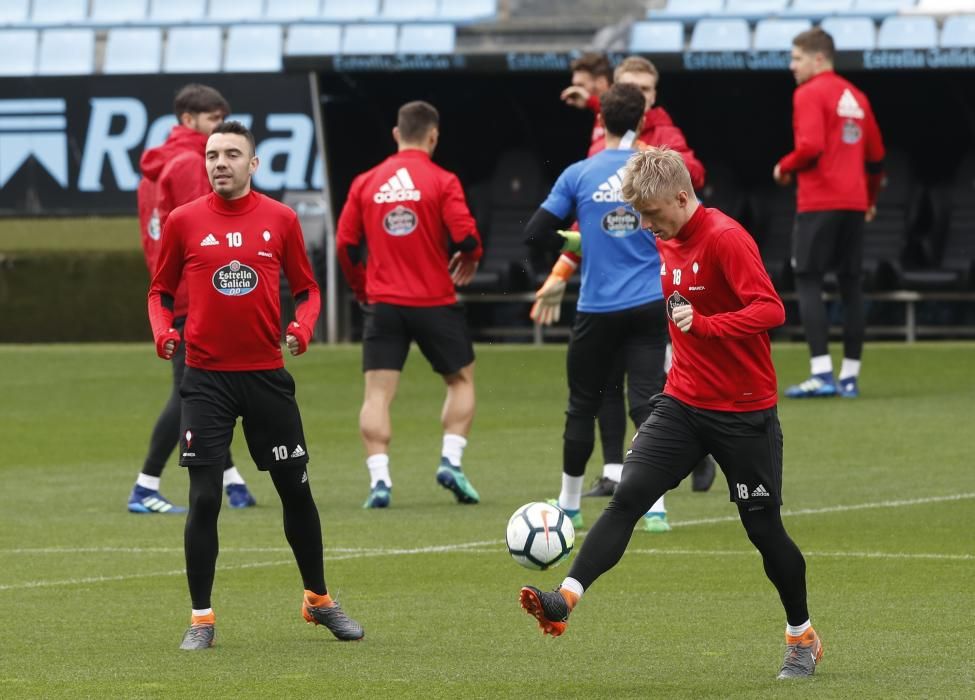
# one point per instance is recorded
(879, 495)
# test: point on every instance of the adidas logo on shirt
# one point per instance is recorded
(210, 240)
(611, 190)
(759, 491)
(848, 107)
(298, 452)
(398, 188)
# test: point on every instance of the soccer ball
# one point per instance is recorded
(540, 536)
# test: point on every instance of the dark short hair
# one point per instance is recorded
(622, 106)
(236, 128)
(815, 40)
(195, 98)
(415, 119)
(594, 63)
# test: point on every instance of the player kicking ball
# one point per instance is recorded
(720, 398)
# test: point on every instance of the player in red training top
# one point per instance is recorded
(230, 246)
(592, 76)
(720, 398)
(838, 161)
(421, 241)
(174, 174)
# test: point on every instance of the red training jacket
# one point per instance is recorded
(231, 254)
(724, 363)
(409, 209)
(836, 140)
(172, 174)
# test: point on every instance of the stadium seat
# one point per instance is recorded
(878, 9)
(777, 34)
(908, 33)
(59, 11)
(313, 40)
(958, 32)
(66, 52)
(235, 10)
(851, 33)
(130, 50)
(115, 12)
(721, 35)
(754, 9)
(657, 37)
(193, 50)
(173, 11)
(399, 10)
(283, 10)
(689, 10)
(254, 48)
(18, 52)
(817, 9)
(14, 11)
(345, 10)
(369, 39)
(953, 250)
(467, 10)
(774, 212)
(427, 38)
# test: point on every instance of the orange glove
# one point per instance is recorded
(548, 299)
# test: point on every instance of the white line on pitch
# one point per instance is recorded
(831, 555)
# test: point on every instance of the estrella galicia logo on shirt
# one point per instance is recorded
(620, 222)
(235, 279)
(400, 221)
(673, 301)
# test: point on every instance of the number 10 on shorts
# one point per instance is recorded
(281, 452)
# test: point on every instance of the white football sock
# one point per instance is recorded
(453, 448)
(231, 476)
(658, 507)
(378, 466)
(570, 584)
(148, 482)
(570, 497)
(796, 631)
(821, 364)
(849, 368)
(613, 471)
(205, 611)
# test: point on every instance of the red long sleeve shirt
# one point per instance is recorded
(836, 140)
(724, 363)
(172, 174)
(231, 253)
(408, 209)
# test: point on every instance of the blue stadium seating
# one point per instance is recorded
(908, 32)
(14, 11)
(345, 11)
(59, 12)
(777, 34)
(313, 39)
(427, 38)
(878, 9)
(133, 50)
(284, 10)
(958, 32)
(369, 39)
(18, 52)
(253, 48)
(754, 9)
(193, 50)
(400, 10)
(688, 10)
(851, 33)
(115, 12)
(720, 35)
(176, 10)
(657, 37)
(817, 9)
(467, 10)
(66, 52)
(236, 10)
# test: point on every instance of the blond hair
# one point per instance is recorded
(636, 64)
(655, 173)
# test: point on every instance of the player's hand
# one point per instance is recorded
(572, 242)
(683, 317)
(461, 269)
(297, 338)
(781, 178)
(547, 308)
(166, 344)
(575, 96)
(870, 214)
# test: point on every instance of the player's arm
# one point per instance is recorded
(462, 229)
(349, 240)
(162, 290)
(742, 265)
(308, 300)
(809, 136)
(873, 162)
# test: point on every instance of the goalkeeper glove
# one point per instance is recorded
(572, 243)
(548, 299)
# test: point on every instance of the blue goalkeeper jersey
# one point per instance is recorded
(620, 263)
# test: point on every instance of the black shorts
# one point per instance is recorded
(439, 331)
(828, 240)
(265, 399)
(747, 446)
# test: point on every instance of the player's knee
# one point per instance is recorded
(205, 502)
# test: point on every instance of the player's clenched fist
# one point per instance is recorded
(166, 343)
(297, 338)
(683, 316)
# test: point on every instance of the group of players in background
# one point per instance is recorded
(655, 263)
